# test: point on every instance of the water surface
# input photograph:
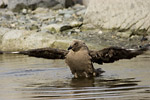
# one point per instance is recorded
(29, 78)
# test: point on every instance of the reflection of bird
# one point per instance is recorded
(80, 59)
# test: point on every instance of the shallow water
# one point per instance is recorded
(29, 78)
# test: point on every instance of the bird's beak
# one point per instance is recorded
(70, 48)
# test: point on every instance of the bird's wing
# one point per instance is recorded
(111, 54)
(48, 53)
(106, 55)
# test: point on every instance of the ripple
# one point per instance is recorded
(28, 78)
(47, 91)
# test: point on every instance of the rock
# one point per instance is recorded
(78, 7)
(57, 27)
(3, 3)
(40, 10)
(77, 30)
(69, 3)
(59, 19)
(61, 44)
(81, 12)
(119, 14)
(33, 27)
(41, 3)
(67, 16)
(65, 11)
(100, 32)
(19, 7)
(58, 6)
(6, 16)
(12, 4)
(76, 24)
(88, 26)
(18, 40)
(1, 52)
(61, 27)
(13, 25)
(24, 11)
(85, 2)
(124, 34)
(146, 38)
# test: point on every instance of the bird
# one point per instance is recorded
(80, 59)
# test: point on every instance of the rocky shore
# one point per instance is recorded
(57, 27)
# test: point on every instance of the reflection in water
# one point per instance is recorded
(82, 82)
(29, 78)
(86, 89)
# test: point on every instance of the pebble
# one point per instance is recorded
(24, 11)
(67, 16)
(100, 32)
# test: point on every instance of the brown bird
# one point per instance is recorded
(80, 59)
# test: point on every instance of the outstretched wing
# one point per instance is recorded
(111, 54)
(107, 55)
(49, 53)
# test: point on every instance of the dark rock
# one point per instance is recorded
(20, 7)
(70, 3)
(12, 4)
(1, 52)
(17, 5)
(3, 5)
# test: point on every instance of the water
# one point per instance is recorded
(29, 78)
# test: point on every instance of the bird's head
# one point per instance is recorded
(77, 45)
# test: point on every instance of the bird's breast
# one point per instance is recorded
(77, 59)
